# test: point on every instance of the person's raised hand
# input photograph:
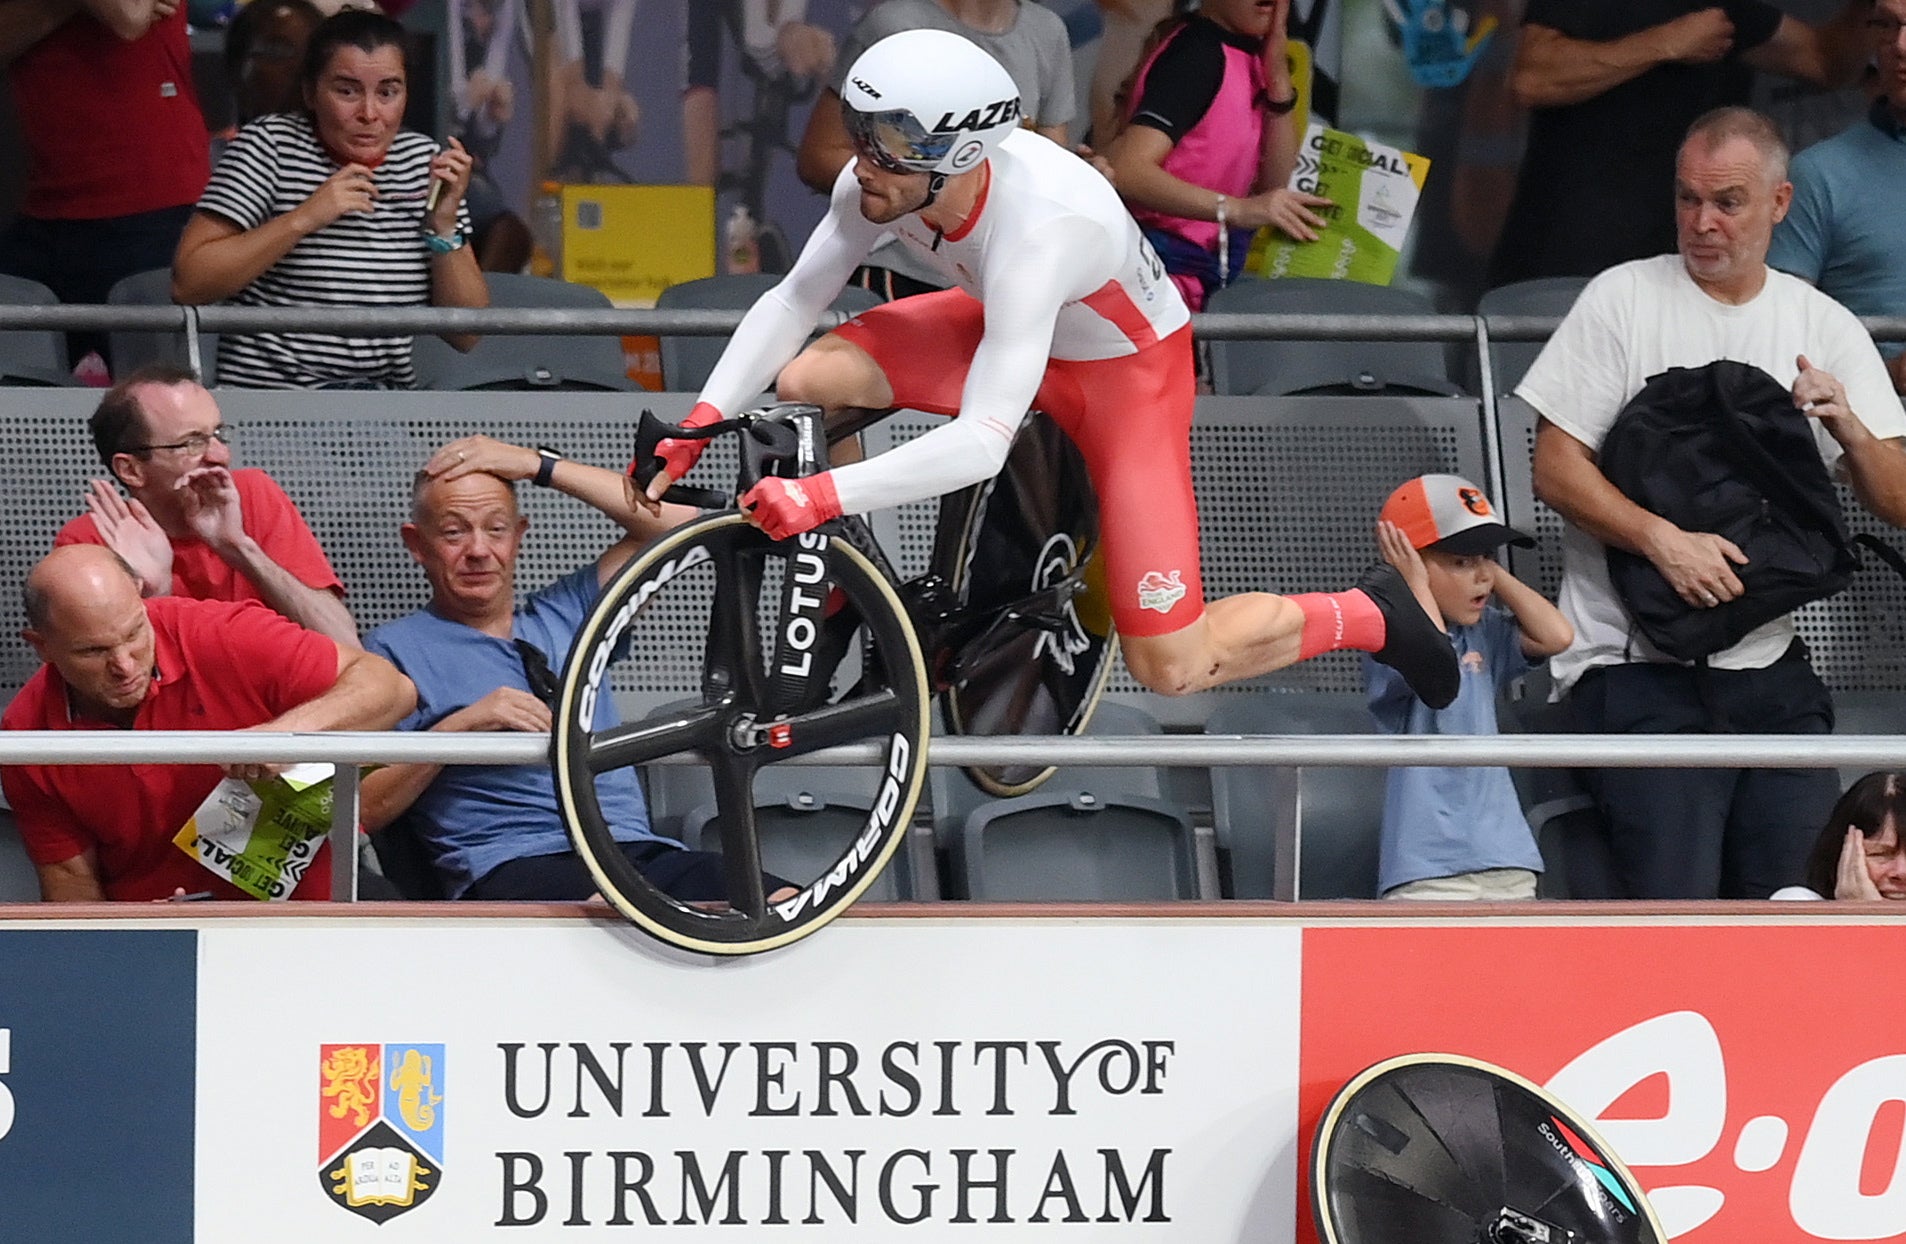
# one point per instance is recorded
(451, 166)
(1818, 394)
(1851, 880)
(208, 497)
(129, 530)
(350, 189)
(469, 455)
(1698, 38)
(1400, 553)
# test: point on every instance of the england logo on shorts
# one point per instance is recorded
(380, 1126)
(1160, 591)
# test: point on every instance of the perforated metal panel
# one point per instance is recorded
(1857, 639)
(347, 459)
(1288, 491)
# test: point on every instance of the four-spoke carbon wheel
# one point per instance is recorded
(805, 646)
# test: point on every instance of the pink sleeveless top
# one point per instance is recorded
(1221, 152)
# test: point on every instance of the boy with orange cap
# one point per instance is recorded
(1458, 833)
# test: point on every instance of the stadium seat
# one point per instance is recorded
(1275, 368)
(955, 795)
(1063, 843)
(686, 361)
(1549, 296)
(31, 356)
(1329, 816)
(517, 361)
(805, 817)
(133, 350)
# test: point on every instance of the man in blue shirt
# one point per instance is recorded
(1846, 229)
(482, 658)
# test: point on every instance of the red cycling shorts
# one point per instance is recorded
(1129, 416)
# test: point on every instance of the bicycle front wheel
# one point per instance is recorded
(803, 645)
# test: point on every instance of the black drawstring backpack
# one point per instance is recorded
(1722, 449)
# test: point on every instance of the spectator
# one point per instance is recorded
(1849, 201)
(482, 660)
(1126, 38)
(1027, 38)
(1211, 143)
(1612, 84)
(1857, 857)
(1458, 833)
(116, 146)
(780, 50)
(479, 40)
(1702, 833)
(264, 46)
(191, 524)
(333, 206)
(591, 112)
(117, 662)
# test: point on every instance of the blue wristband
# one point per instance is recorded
(442, 245)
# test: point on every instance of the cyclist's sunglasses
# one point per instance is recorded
(895, 140)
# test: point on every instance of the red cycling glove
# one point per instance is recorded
(680, 456)
(787, 507)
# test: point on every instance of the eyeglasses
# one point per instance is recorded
(197, 443)
(543, 683)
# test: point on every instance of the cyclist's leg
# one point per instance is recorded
(1133, 423)
(912, 353)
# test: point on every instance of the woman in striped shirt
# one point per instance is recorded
(333, 206)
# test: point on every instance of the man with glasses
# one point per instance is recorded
(1846, 230)
(192, 525)
(481, 659)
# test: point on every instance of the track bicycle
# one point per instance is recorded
(815, 641)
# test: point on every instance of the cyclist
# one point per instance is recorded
(1059, 304)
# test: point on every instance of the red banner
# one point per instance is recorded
(1753, 1078)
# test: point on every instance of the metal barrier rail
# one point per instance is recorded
(553, 321)
(350, 749)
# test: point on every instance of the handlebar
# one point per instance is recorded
(787, 439)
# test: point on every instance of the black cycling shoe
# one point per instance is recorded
(1413, 646)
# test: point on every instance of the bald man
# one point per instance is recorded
(486, 659)
(118, 661)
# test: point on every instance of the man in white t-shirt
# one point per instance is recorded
(1702, 833)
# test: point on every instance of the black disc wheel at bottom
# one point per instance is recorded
(1031, 529)
(794, 646)
(1442, 1149)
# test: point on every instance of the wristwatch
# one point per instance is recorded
(440, 245)
(547, 467)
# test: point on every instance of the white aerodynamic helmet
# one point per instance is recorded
(927, 101)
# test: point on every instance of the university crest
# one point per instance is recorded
(380, 1126)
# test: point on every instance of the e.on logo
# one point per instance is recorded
(1828, 1194)
(1752, 1076)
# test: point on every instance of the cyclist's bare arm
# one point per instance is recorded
(778, 324)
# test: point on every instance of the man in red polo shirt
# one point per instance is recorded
(192, 524)
(117, 661)
(117, 152)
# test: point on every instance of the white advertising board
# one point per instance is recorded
(546, 1080)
